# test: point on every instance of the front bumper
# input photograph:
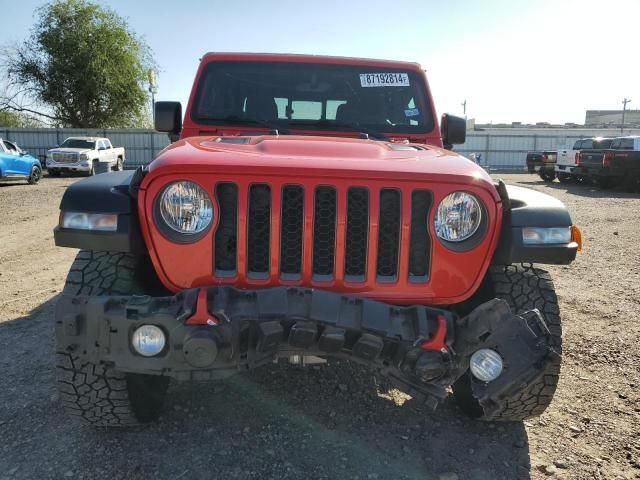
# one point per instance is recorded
(71, 167)
(217, 331)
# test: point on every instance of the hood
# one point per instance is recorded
(319, 157)
(69, 150)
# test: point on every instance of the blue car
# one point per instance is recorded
(14, 163)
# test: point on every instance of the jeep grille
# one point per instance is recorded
(368, 223)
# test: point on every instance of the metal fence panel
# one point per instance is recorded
(499, 150)
(141, 145)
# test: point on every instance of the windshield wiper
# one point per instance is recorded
(274, 130)
(353, 126)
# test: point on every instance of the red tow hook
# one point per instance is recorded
(202, 315)
(437, 341)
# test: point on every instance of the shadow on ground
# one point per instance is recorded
(331, 421)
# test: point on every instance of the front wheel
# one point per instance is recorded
(34, 176)
(97, 393)
(118, 167)
(524, 288)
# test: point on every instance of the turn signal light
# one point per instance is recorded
(576, 236)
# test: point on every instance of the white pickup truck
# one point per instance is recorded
(85, 154)
(569, 158)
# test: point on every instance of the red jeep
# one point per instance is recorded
(308, 209)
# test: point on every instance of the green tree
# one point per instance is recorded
(85, 65)
(12, 119)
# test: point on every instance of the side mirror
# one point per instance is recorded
(23, 153)
(453, 129)
(168, 117)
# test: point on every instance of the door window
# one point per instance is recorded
(11, 147)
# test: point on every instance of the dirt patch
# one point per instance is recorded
(333, 421)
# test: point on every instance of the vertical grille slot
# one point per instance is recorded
(357, 235)
(388, 234)
(227, 233)
(259, 230)
(291, 230)
(419, 240)
(324, 232)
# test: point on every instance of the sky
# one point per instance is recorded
(511, 60)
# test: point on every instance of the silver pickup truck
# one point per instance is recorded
(569, 159)
(85, 154)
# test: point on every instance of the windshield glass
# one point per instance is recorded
(312, 96)
(77, 143)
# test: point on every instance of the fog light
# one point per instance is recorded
(148, 340)
(486, 365)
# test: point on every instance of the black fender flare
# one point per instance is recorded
(524, 207)
(114, 192)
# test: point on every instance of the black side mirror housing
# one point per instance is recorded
(168, 117)
(453, 129)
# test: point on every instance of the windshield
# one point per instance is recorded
(312, 96)
(77, 143)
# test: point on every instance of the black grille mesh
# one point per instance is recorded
(419, 241)
(388, 233)
(259, 223)
(357, 232)
(357, 227)
(291, 230)
(324, 231)
(227, 232)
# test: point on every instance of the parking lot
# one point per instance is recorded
(328, 421)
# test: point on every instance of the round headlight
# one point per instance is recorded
(458, 217)
(186, 208)
(486, 364)
(148, 340)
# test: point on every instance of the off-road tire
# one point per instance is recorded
(98, 394)
(523, 287)
(34, 175)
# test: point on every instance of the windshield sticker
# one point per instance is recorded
(384, 79)
(411, 112)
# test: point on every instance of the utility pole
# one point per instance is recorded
(153, 88)
(464, 107)
(624, 110)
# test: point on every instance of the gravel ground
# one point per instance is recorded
(336, 420)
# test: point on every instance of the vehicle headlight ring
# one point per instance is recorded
(458, 217)
(186, 209)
